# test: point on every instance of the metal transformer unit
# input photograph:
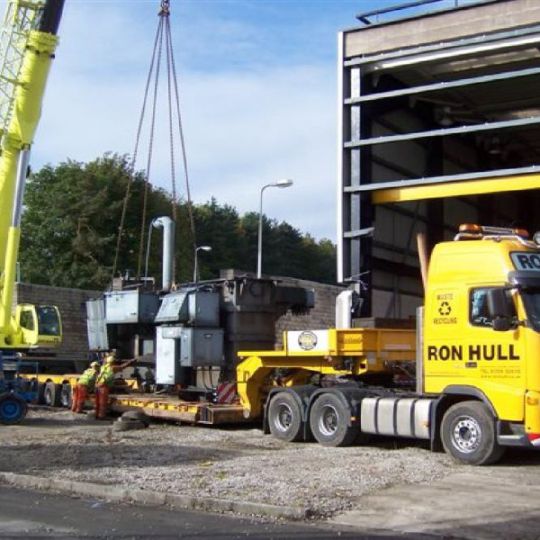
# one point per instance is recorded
(125, 307)
(196, 329)
(187, 335)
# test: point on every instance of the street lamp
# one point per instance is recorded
(196, 265)
(286, 182)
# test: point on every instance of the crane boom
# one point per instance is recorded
(27, 44)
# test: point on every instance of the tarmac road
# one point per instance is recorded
(26, 514)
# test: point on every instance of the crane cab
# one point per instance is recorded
(40, 325)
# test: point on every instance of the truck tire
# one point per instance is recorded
(65, 396)
(468, 434)
(329, 422)
(285, 417)
(34, 388)
(51, 394)
(41, 393)
(12, 409)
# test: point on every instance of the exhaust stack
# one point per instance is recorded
(167, 224)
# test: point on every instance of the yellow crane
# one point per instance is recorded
(27, 43)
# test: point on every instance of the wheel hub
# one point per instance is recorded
(467, 435)
(10, 410)
(284, 417)
(328, 421)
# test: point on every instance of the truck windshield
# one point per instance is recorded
(531, 300)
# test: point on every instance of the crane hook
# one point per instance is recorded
(165, 8)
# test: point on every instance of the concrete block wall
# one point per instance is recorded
(71, 303)
(320, 317)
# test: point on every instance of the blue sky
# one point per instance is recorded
(258, 91)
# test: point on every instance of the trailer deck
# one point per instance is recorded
(171, 408)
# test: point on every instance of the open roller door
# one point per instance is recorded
(439, 125)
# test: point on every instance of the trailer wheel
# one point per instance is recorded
(285, 418)
(12, 409)
(468, 434)
(329, 422)
(51, 394)
(65, 396)
(41, 393)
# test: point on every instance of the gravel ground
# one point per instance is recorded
(201, 461)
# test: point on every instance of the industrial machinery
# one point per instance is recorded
(190, 336)
(27, 46)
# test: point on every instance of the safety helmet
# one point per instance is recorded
(110, 359)
(94, 365)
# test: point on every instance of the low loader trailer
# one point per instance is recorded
(473, 356)
(257, 381)
(56, 390)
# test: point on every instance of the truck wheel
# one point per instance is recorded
(329, 422)
(12, 409)
(51, 394)
(41, 393)
(285, 418)
(468, 434)
(65, 395)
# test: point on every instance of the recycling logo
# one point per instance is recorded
(445, 309)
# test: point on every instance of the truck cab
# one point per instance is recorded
(481, 334)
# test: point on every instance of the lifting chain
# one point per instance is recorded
(162, 39)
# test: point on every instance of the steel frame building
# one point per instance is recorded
(439, 124)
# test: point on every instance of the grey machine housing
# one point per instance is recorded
(187, 334)
(194, 327)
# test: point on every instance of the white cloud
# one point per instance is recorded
(244, 127)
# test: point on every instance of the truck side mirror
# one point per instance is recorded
(500, 309)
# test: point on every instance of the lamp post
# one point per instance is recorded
(196, 263)
(286, 182)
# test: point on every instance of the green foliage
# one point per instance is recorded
(72, 214)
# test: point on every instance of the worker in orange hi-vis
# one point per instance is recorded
(85, 385)
(105, 381)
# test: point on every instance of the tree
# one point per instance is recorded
(71, 219)
(218, 227)
(72, 214)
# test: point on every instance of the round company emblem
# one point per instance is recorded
(307, 340)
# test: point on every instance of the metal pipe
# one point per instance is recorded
(196, 261)
(259, 234)
(167, 224)
(284, 183)
(423, 257)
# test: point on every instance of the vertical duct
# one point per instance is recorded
(167, 224)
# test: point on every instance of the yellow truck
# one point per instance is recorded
(474, 352)
(477, 374)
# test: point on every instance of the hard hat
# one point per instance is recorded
(94, 365)
(110, 359)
